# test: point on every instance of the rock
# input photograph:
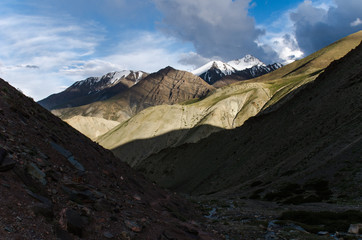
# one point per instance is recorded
(82, 197)
(8, 229)
(62, 234)
(3, 154)
(136, 197)
(355, 228)
(7, 164)
(133, 226)
(102, 205)
(43, 210)
(61, 150)
(76, 164)
(68, 155)
(108, 235)
(73, 222)
(35, 172)
(40, 198)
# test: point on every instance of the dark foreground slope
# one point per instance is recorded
(57, 184)
(307, 149)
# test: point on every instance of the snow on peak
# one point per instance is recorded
(223, 67)
(109, 78)
(230, 67)
(248, 61)
(115, 76)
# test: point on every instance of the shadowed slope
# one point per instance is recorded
(317, 134)
(57, 184)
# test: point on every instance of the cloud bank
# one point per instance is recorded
(316, 26)
(215, 28)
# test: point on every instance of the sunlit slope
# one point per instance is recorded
(222, 110)
(92, 127)
(226, 108)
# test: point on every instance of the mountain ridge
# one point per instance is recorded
(314, 135)
(93, 89)
(167, 86)
(246, 68)
(226, 108)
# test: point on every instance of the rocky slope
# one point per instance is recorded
(306, 149)
(93, 89)
(168, 126)
(57, 184)
(167, 86)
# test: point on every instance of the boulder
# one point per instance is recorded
(355, 228)
(73, 222)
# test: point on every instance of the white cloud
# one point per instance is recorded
(281, 38)
(214, 27)
(41, 55)
(356, 23)
(33, 49)
(144, 51)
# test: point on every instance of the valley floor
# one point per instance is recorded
(235, 218)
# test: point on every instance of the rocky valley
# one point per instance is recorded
(241, 150)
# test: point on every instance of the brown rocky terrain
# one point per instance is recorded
(55, 183)
(167, 86)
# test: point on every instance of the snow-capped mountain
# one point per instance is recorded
(224, 68)
(213, 71)
(247, 67)
(258, 70)
(108, 80)
(93, 89)
(248, 61)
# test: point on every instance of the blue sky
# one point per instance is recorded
(46, 45)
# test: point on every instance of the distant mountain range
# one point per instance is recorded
(93, 89)
(120, 99)
(246, 68)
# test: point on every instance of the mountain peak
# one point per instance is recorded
(247, 67)
(91, 89)
(246, 62)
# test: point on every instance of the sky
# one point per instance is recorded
(47, 45)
